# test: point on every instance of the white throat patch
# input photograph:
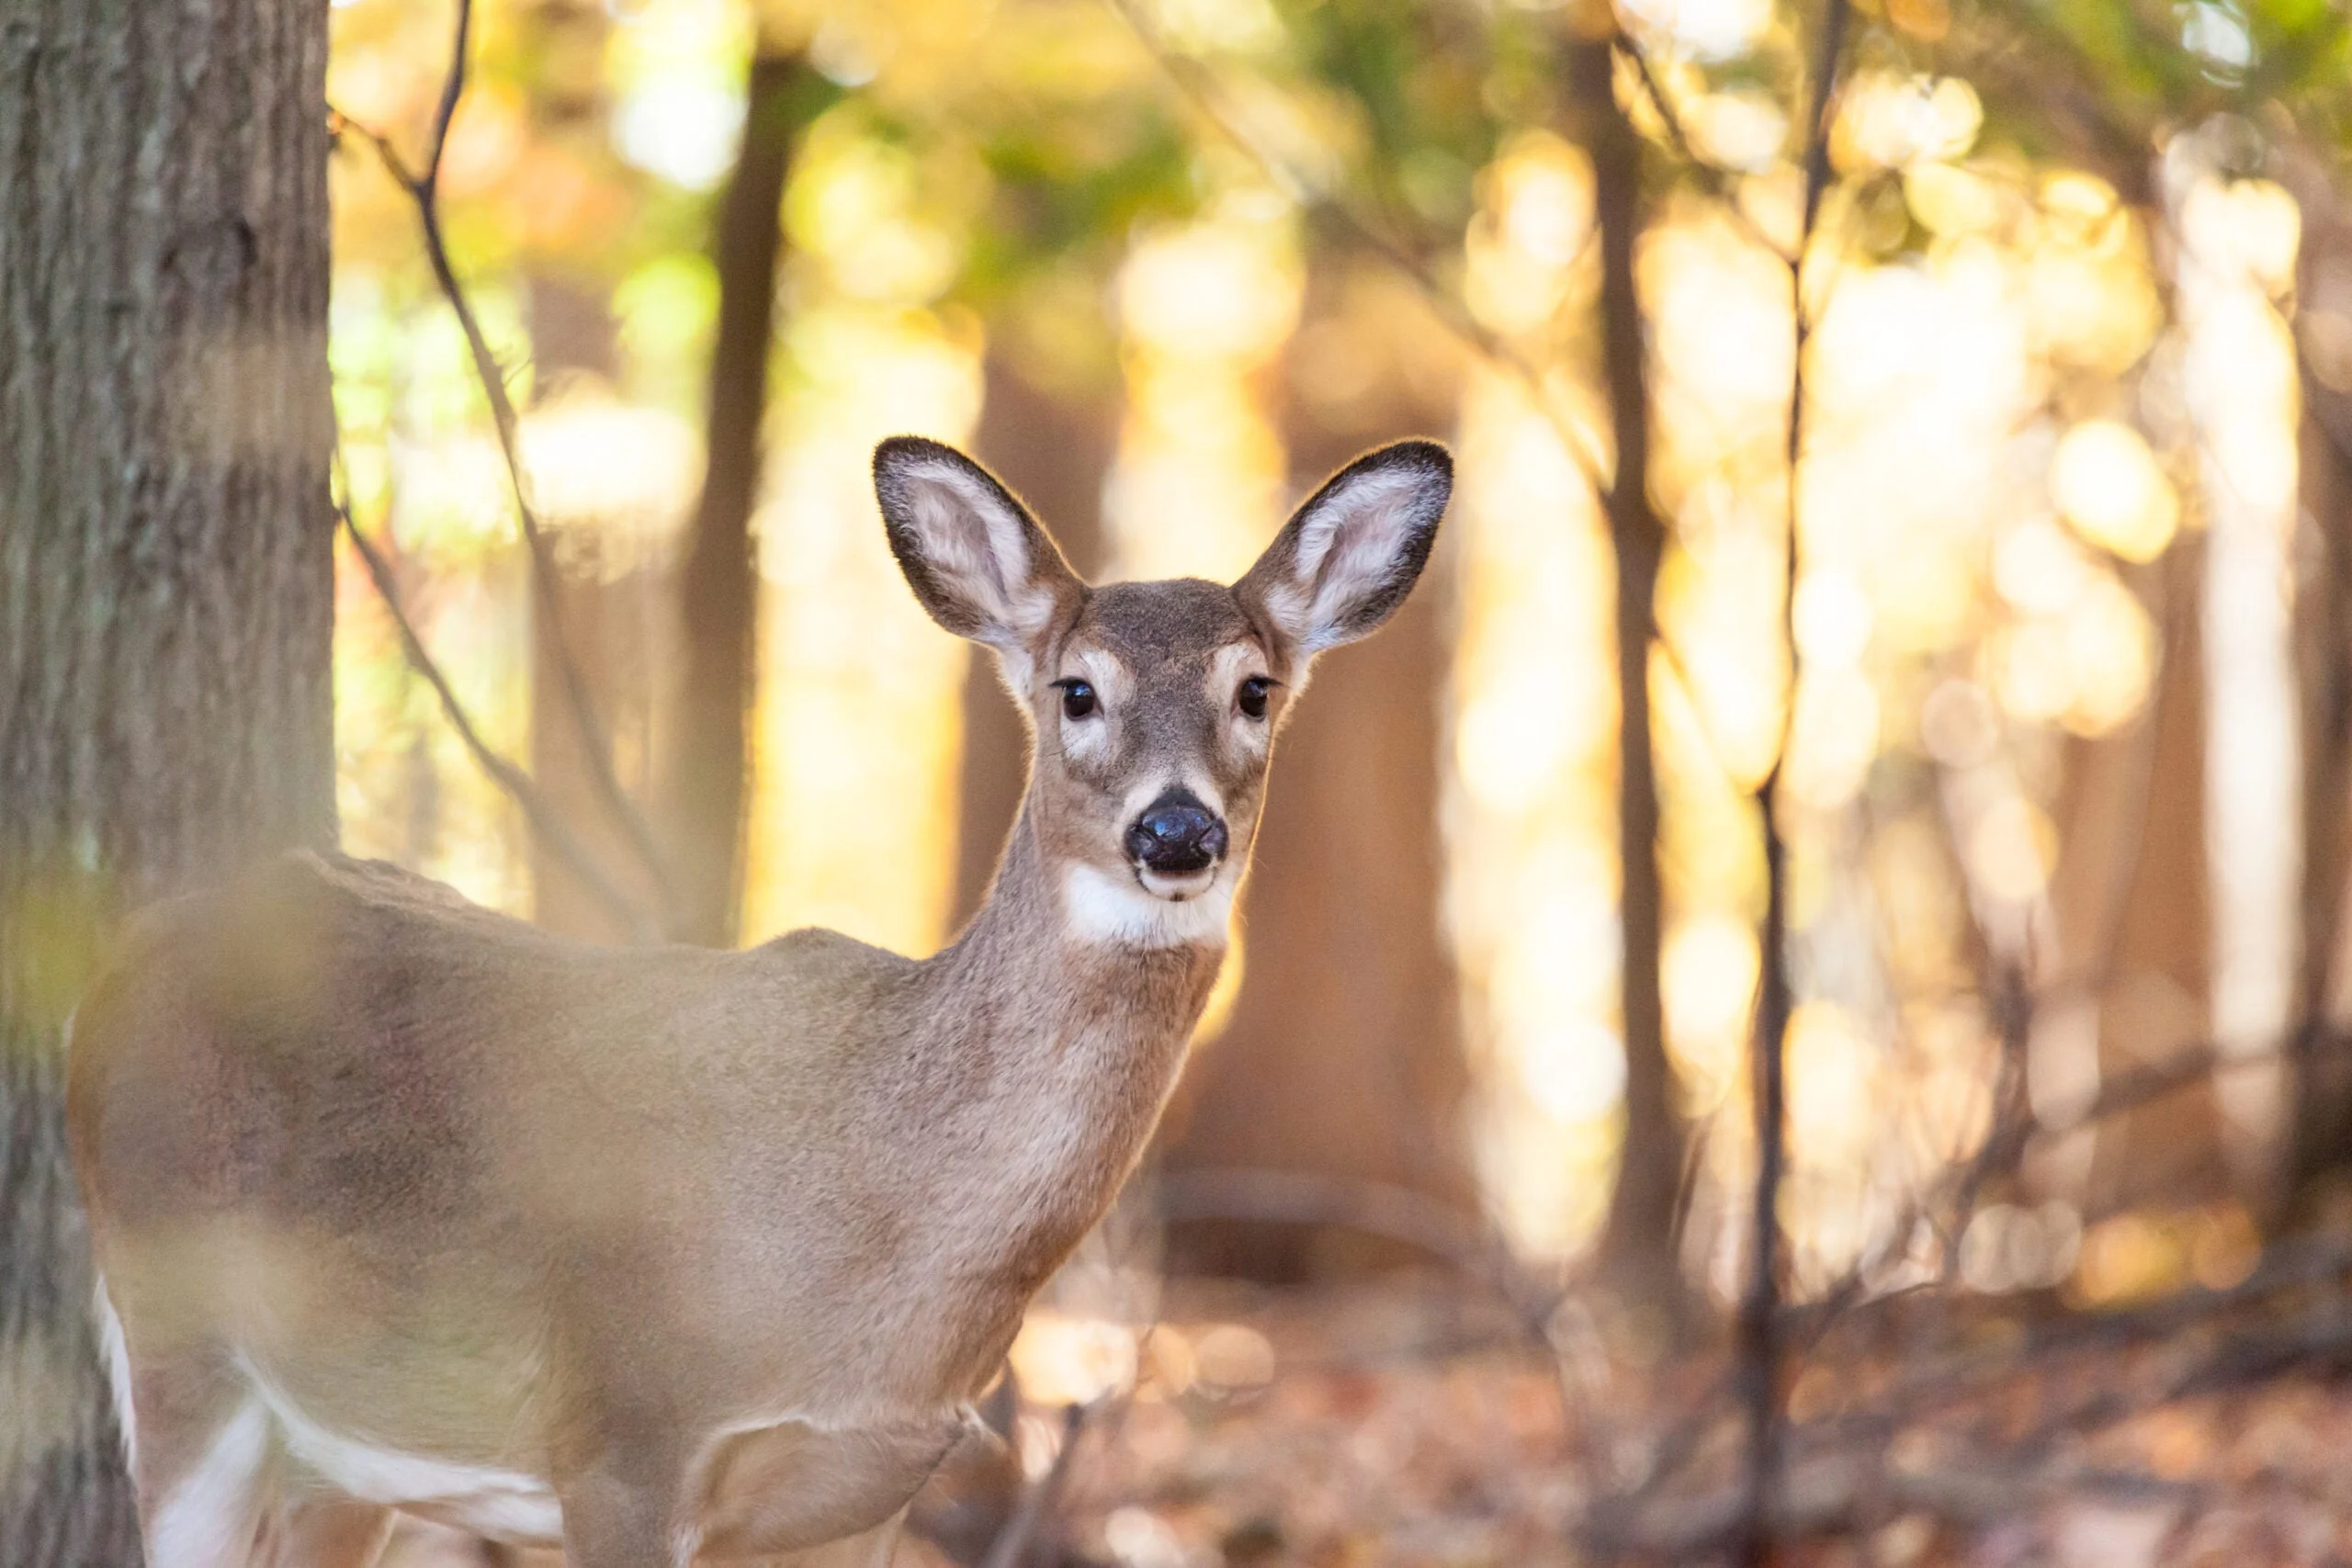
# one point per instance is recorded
(1108, 910)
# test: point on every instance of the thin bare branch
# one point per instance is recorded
(1759, 1315)
(453, 87)
(1678, 135)
(546, 824)
(422, 188)
(1038, 1502)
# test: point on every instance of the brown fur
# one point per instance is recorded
(715, 1246)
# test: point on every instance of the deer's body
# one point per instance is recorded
(662, 1253)
(851, 1285)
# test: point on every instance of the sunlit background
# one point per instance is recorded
(2050, 475)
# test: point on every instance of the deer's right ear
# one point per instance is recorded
(979, 563)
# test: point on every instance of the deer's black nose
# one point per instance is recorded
(1176, 835)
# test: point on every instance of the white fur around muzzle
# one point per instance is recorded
(1116, 909)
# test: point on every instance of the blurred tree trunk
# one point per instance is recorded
(1638, 1240)
(618, 626)
(2135, 922)
(707, 749)
(166, 588)
(1054, 453)
(610, 617)
(2322, 1147)
(2321, 1144)
(1343, 1059)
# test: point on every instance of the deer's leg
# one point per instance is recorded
(624, 1520)
(333, 1531)
(867, 1549)
(203, 1471)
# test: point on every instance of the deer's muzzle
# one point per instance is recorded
(1177, 836)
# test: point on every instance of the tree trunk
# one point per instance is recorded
(718, 585)
(1638, 1240)
(1343, 1060)
(2322, 1109)
(2133, 915)
(2322, 1113)
(166, 585)
(618, 626)
(614, 617)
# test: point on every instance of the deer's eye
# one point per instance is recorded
(1252, 695)
(1077, 699)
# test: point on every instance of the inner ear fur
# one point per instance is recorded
(974, 556)
(1346, 559)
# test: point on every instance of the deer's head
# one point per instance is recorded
(1154, 704)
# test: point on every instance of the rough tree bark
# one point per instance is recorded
(166, 587)
(1638, 1239)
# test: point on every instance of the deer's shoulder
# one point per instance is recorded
(815, 950)
(327, 892)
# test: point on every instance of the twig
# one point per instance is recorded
(1647, 1520)
(423, 187)
(453, 87)
(1678, 135)
(2015, 1125)
(1845, 1480)
(1758, 1328)
(1854, 1489)
(2142, 1085)
(519, 786)
(2012, 1007)
(1038, 1501)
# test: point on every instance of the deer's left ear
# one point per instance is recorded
(975, 557)
(1344, 562)
(1346, 559)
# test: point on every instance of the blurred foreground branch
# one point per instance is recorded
(423, 187)
(1012, 1545)
(545, 822)
(702, 801)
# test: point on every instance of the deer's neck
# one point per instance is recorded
(1065, 1038)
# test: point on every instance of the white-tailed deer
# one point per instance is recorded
(668, 1253)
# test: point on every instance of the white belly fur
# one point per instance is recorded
(117, 1357)
(829, 1468)
(499, 1505)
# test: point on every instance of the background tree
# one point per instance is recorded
(707, 750)
(165, 588)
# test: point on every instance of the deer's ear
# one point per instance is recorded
(1347, 558)
(975, 557)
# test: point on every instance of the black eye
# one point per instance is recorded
(1077, 699)
(1253, 695)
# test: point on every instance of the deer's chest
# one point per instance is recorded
(798, 1483)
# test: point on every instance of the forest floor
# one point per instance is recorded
(1418, 1425)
